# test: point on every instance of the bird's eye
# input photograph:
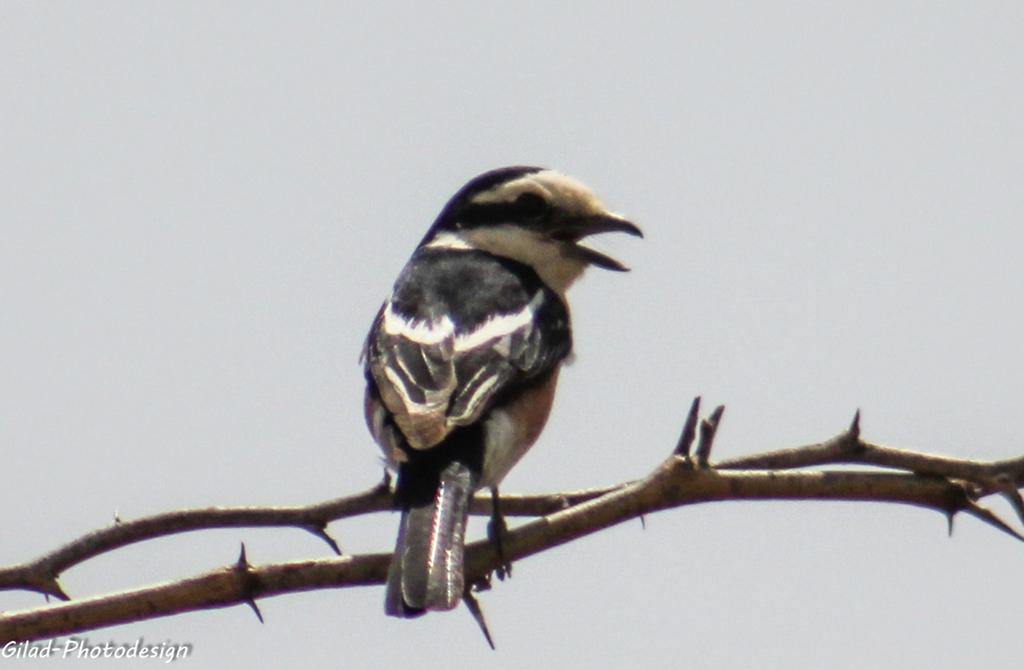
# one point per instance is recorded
(531, 206)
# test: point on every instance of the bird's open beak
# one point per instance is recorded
(578, 228)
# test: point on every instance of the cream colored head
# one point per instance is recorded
(534, 216)
(561, 192)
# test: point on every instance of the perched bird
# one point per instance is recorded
(463, 357)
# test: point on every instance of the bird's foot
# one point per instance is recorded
(496, 531)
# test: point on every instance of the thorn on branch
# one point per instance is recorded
(44, 583)
(248, 582)
(986, 515)
(321, 532)
(49, 586)
(57, 591)
(242, 564)
(853, 434)
(689, 430)
(1007, 487)
(478, 615)
(255, 609)
(708, 428)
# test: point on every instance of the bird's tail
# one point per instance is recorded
(426, 571)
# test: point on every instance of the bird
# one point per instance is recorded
(463, 357)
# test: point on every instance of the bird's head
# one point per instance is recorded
(534, 216)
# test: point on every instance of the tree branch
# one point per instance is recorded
(947, 485)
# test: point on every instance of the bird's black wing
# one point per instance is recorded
(461, 329)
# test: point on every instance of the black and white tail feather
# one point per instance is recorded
(427, 570)
(462, 360)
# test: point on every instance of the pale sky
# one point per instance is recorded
(203, 205)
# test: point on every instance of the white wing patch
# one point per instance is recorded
(498, 326)
(420, 332)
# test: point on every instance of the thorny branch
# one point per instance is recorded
(686, 477)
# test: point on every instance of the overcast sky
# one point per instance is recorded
(203, 204)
